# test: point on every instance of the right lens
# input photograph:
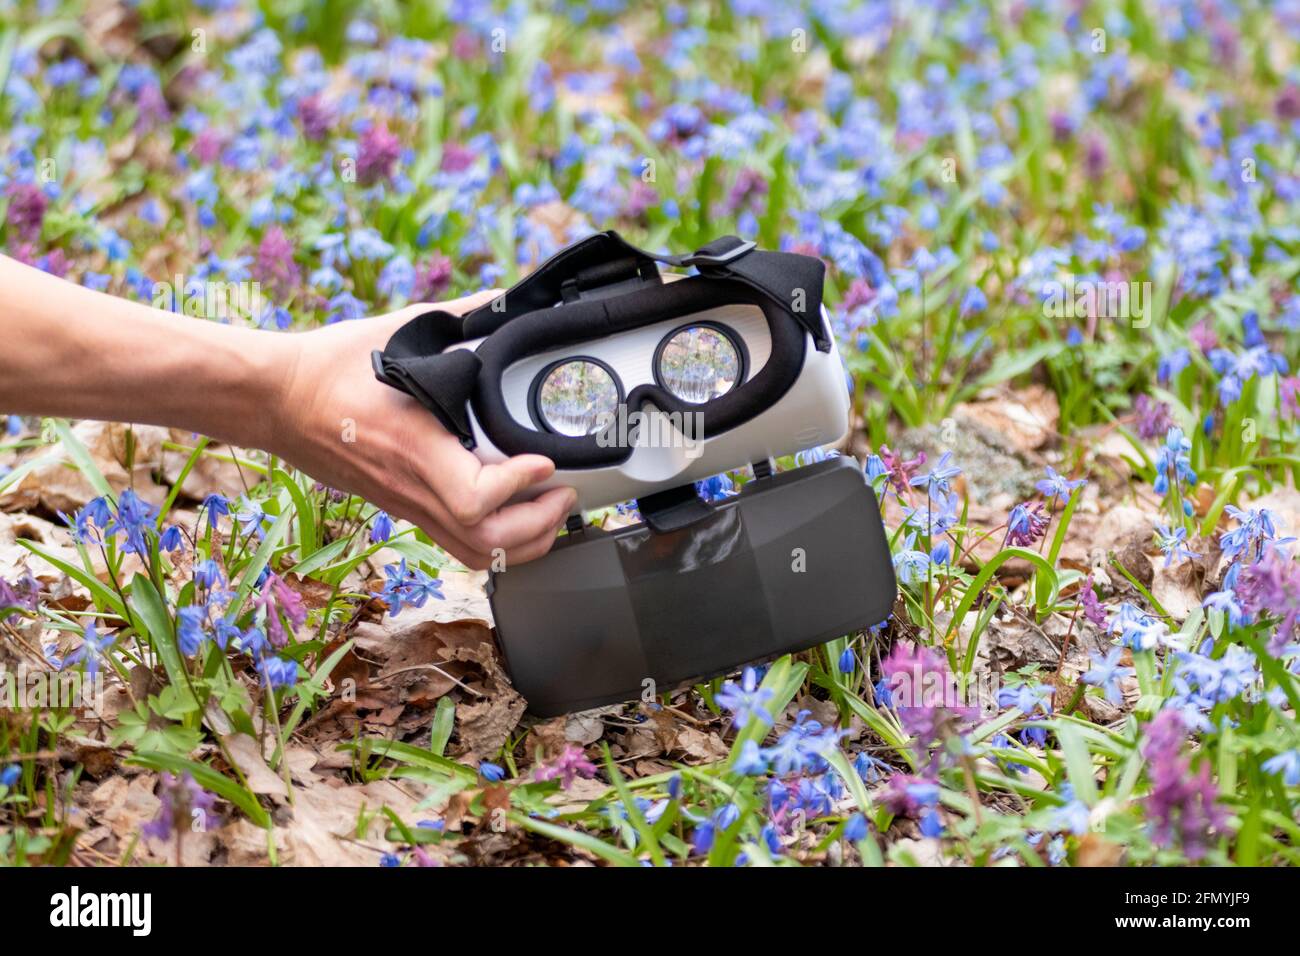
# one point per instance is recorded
(699, 363)
(576, 397)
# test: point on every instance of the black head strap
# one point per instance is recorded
(792, 282)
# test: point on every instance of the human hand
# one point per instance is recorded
(336, 422)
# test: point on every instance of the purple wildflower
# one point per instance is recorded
(937, 479)
(23, 594)
(382, 528)
(316, 116)
(377, 153)
(432, 277)
(1106, 673)
(1203, 336)
(92, 651)
(182, 800)
(804, 747)
(278, 598)
(908, 796)
(745, 700)
(1153, 418)
(1272, 586)
(409, 587)
(134, 517)
(27, 205)
(568, 766)
(1058, 486)
(1026, 524)
(274, 264)
(1174, 545)
(277, 671)
(1184, 805)
(921, 690)
(901, 472)
(748, 186)
(1092, 608)
(1289, 386)
(457, 158)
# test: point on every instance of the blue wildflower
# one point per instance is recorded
(745, 700)
(92, 651)
(1106, 673)
(1058, 486)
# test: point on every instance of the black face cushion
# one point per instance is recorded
(584, 320)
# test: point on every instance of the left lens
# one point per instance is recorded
(574, 397)
(699, 363)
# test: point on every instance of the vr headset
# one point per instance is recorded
(638, 386)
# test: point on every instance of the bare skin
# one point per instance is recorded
(310, 398)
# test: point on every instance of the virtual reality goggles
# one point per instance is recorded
(636, 388)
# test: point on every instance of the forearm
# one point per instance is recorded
(71, 352)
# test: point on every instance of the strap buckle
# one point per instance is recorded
(717, 259)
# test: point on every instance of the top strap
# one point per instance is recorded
(606, 259)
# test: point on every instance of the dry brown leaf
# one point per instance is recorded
(548, 736)
(57, 485)
(247, 753)
(485, 726)
(1096, 850)
(1178, 587)
(588, 726)
(700, 746)
(210, 474)
(124, 804)
(321, 827)
(1026, 417)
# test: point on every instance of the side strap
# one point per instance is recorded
(414, 362)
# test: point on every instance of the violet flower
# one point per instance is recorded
(568, 766)
(1184, 805)
(182, 800)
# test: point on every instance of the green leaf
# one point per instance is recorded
(315, 688)
(986, 573)
(259, 560)
(608, 853)
(648, 838)
(208, 779)
(320, 558)
(307, 540)
(104, 595)
(1078, 762)
(406, 753)
(81, 458)
(149, 605)
(444, 718)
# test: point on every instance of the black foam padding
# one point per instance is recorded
(585, 320)
(794, 560)
(529, 318)
(414, 362)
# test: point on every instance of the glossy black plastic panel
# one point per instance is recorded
(794, 560)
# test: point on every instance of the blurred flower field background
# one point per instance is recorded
(1063, 248)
